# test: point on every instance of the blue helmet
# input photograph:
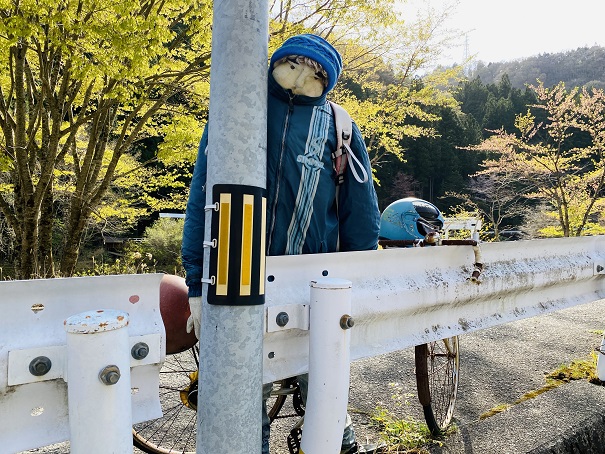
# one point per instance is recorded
(410, 219)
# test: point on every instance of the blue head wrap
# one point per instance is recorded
(316, 48)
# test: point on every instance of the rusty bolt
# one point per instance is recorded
(40, 366)
(282, 319)
(139, 350)
(346, 322)
(110, 375)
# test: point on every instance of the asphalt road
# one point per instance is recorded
(497, 366)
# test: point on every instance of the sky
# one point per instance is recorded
(503, 30)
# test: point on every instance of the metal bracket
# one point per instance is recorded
(298, 317)
(19, 360)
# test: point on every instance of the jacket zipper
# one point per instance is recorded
(280, 169)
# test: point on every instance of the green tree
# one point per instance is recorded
(547, 157)
(434, 165)
(383, 56)
(493, 106)
(576, 68)
(80, 83)
(472, 95)
(333, 19)
(163, 241)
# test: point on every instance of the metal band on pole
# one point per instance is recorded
(237, 257)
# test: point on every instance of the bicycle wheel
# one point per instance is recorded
(437, 373)
(175, 432)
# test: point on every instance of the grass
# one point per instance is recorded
(402, 435)
(582, 369)
(411, 436)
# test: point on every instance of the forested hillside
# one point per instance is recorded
(580, 67)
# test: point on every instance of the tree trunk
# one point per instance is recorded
(28, 250)
(45, 236)
(69, 258)
(73, 238)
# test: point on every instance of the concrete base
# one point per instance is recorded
(567, 419)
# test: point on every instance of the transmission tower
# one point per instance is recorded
(469, 65)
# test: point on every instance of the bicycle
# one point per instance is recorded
(437, 366)
(437, 373)
(175, 431)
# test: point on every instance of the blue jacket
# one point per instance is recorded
(302, 214)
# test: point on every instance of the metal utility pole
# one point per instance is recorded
(231, 338)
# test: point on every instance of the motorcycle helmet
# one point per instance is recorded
(410, 219)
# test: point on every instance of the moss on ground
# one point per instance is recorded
(581, 369)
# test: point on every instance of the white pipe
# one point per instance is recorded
(329, 366)
(98, 383)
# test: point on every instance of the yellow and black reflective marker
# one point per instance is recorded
(238, 260)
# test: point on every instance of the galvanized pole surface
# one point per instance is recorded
(231, 338)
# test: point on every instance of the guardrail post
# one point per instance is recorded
(329, 366)
(98, 383)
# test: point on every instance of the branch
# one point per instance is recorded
(35, 114)
(100, 191)
(9, 214)
(320, 7)
(8, 119)
(83, 117)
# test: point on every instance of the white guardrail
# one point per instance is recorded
(400, 297)
(403, 297)
(35, 316)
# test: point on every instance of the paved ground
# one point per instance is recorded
(498, 365)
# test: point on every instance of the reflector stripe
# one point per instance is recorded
(263, 238)
(222, 272)
(247, 226)
(237, 260)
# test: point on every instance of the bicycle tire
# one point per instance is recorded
(175, 432)
(297, 401)
(437, 375)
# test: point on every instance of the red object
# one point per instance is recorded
(174, 307)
